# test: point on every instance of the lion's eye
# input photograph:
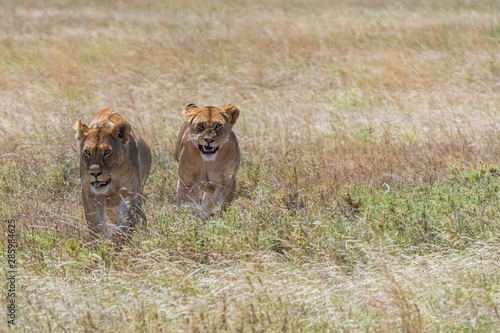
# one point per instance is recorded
(87, 152)
(200, 126)
(107, 152)
(218, 126)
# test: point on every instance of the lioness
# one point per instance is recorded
(115, 161)
(209, 156)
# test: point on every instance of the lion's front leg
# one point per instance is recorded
(187, 193)
(223, 194)
(128, 211)
(94, 214)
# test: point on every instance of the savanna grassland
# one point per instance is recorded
(368, 198)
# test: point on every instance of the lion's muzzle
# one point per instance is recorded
(207, 149)
(97, 184)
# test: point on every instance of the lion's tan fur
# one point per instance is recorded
(126, 166)
(208, 180)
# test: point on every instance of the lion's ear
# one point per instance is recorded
(121, 130)
(191, 110)
(233, 112)
(81, 130)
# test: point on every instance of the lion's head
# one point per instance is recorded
(209, 127)
(102, 148)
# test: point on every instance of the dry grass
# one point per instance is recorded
(340, 101)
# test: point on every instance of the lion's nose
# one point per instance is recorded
(209, 141)
(96, 174)
(95, 170)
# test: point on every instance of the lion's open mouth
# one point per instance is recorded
(207, 149)
(98, 184)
